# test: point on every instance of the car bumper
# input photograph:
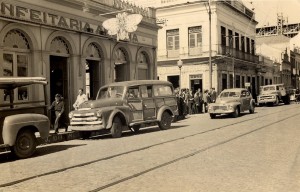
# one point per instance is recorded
(86, 127)
(266, 101)
(220, 111)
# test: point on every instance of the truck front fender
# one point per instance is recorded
(14, 123)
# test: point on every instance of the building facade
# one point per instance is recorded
(185, 37)
(64, 41)
(277, 48)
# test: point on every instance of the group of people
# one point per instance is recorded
(190, 102)
(58, 107)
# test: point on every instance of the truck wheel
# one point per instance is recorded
(236, 112)
(212, 116)
(287, 100)
(116, 129)
(25, 144)
(165, 122)
(277, 101)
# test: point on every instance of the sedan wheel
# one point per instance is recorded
(251, 110)
(236, 112)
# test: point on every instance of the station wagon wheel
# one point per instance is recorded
(116, 129)
(236, 112)
(165, 122)
(25, 144)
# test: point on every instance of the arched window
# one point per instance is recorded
(143, 66)
(16, 61)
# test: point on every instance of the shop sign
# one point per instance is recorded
(51, 19)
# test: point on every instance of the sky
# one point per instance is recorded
(265, 10)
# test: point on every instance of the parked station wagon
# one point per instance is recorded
(232, 101)
(126, 105)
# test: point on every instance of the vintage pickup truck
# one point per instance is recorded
(22, 118)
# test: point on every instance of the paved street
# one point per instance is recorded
(255, 152)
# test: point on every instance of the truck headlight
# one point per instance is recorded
(71, 114)
(230, 107)
(99, 115)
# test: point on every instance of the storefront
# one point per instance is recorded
(71, 48)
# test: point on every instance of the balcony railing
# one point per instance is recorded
(225, 50)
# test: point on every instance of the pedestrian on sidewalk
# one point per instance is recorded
(81, 98)
(207, 100)
(59, 107)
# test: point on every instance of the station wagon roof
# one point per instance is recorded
(139, 82)
(14, 82)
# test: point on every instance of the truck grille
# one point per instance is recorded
(85, 119)
(266, 97)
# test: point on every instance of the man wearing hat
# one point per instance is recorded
(58, 106)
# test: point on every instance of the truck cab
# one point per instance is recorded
(24, 120)
(273, 94)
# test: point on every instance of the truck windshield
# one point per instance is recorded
(111, 92)
(269, 88)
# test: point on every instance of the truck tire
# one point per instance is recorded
(287, 100)
(212, 116)
(25, 144)
(116, 129)
(165, 122)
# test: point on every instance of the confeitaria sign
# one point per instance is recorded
(36, 16)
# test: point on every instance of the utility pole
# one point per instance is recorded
(209, 60)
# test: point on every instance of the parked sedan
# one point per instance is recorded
(232, 101)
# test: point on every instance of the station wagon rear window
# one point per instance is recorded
(162, 90)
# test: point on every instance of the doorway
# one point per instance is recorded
(121, 72)
(59, 82)
(174, 79)
(196, 84)
(92, 78)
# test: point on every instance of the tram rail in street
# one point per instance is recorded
(158, 144)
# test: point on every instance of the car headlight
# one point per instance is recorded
(230, 107)
(71, 114)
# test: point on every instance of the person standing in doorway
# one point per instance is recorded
(81, 98)
(59, 107)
